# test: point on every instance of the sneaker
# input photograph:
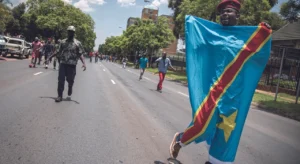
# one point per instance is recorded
(175, 146)
(68, 98)
(207, 162)
(58, 99)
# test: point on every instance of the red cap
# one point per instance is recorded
(235, 4)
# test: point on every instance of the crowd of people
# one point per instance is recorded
(41, 49)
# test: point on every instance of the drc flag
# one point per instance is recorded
(224, 65)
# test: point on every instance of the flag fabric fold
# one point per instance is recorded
(224, 65)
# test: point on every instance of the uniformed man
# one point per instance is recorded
(70, 51)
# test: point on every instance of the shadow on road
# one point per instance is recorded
(13, 57)
(170, 161)
(62, 100)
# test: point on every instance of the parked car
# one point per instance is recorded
(3, 41)
(17, 46)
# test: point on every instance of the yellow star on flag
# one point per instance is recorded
(228, 124)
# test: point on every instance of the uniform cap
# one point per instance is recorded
(234, 4)
(71, 28)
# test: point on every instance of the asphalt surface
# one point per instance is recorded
(115, 118)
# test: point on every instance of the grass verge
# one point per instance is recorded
(280, 107)
(263, 101)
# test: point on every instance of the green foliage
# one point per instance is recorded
(47, 18)
(16, 24)
(5, 16)
(145, 36)
(52, 17)
(291, 10)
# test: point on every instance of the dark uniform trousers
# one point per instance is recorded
(66, 72)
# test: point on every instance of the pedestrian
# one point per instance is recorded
(48, 50)
(70, 51)
(143, 64)
(219, 100)
(91, 56)
(124, 61)
(36, 45)
(163, 64)
(41, 52)
(96, 56)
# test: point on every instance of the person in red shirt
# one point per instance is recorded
(91, 56)
(36, 45)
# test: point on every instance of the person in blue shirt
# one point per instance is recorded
(163, 64)
(143, 65)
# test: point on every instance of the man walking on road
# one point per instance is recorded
(163, 64)
(143, 64)
(70, 51)
(124, 61)
(48, 49)
(218, 119)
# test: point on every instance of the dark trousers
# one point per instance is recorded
(54, 62)
(66, 72)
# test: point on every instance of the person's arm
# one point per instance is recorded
(81, 52)
(56, 52)
(170, 64)
(158, 59)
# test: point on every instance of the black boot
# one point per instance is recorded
(58, 99)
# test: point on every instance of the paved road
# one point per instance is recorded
(115, 118)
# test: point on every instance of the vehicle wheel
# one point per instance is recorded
(4, 54)
(20, 56)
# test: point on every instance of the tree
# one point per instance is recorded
(291, 10)
(145, 36)
(5, 14)
(174, 5)
(50, 18)
(275, 21)
(17, 24)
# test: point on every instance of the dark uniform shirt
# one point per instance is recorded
(48, 48)
(70, 51)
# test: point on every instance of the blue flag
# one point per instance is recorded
(224, 65)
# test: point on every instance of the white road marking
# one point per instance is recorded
(37, 73)
(104, 70)
(183, 94)
(113, 81)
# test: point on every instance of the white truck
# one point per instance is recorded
(17, 46)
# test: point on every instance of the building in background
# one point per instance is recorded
(172, 48)
(287, 36)
(131, 21)
(150, 12)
